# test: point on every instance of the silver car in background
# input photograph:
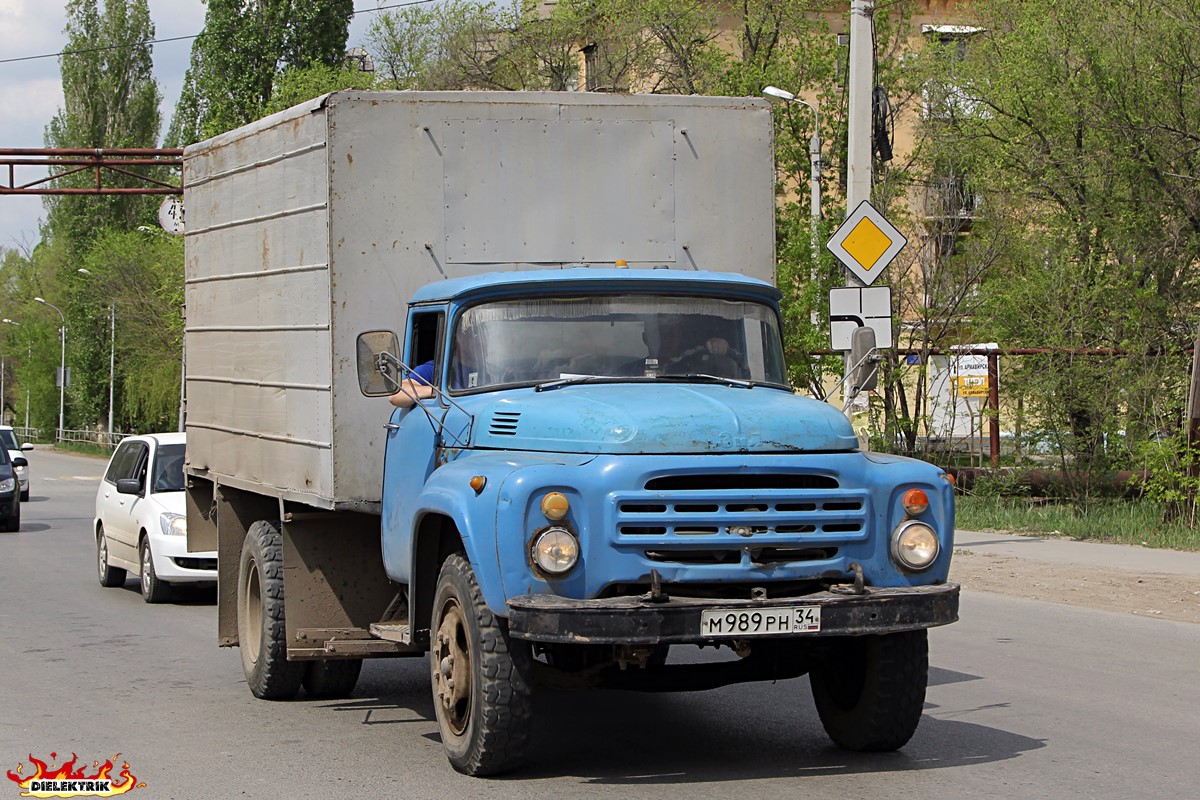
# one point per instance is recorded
(8, 438)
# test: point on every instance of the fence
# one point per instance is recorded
(98, 438)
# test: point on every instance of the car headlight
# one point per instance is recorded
(555, 550)
(173, 524)
(7, 485)
(915, 545)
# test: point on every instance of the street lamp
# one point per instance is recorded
(62, 367)
(112, 358)
(814, 157)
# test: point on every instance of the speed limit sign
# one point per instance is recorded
(170, 214)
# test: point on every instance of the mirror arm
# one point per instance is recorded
(439, 426)
(872, 355)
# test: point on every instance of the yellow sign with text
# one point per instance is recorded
(971, 385)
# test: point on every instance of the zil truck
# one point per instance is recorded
(607, 467)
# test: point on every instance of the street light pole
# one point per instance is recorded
(814, 158)
(62, 368)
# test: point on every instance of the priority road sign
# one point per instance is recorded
(866, 243)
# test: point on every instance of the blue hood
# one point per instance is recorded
(661, 418)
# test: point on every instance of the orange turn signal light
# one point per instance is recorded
(555, 506)
(915, 502)
(477, 483)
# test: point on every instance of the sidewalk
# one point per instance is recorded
(1061, 550)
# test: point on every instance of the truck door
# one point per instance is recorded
(410, 453)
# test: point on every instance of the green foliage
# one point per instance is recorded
(244, 48)
(1136, 523)
(1076, 123)
(299, 84)
(141, 273)
(110, 99)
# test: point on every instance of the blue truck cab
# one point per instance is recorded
(609, 463)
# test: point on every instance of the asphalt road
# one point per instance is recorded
(1026, 700)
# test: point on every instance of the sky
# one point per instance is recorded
(31, 91)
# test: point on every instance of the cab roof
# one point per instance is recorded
(592, 278)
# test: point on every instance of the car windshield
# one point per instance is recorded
(642, 336)
(168, 468)
(9, 440)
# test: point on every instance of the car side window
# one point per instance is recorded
(117, 468)
(129, 462)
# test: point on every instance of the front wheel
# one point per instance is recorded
(481, 690)
(262, 634)
(870, 690)
(154, 589)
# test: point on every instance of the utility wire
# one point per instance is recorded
(82, 51)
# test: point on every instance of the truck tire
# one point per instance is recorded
(154, 589)
(334, 679)
(870, 690)
(262, 635)
(481, 688)
(109, 576)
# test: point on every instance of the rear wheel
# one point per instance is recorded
(262, 634)
(870, 690)
(481, 691)
(109, 576)
(14, 520)
(154, 589)
(25, 496)
(332, 679)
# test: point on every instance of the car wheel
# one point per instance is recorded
(14, 521)
(25, 496)
(262, 633)
(481, 688)
(154, 589)
(870, 690)
(109, 576)
(334, 680)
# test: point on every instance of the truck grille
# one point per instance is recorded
(729, 518)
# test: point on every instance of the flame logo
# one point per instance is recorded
(68, 772)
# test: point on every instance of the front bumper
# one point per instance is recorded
(639, 620)
(173, 562)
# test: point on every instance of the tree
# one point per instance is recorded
(243, 49)
(110, 99)
(1076, 122)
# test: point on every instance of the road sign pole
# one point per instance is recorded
(858, 138)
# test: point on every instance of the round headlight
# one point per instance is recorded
(915, 545)
(555, 550)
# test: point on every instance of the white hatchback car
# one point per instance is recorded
(141, 521)
(8, 440)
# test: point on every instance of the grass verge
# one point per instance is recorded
(1136, 522)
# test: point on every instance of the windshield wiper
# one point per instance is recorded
(702, 376)
(576, 381)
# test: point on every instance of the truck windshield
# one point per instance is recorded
(531, 341)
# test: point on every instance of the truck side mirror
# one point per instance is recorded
(378, 357)
(863, 361)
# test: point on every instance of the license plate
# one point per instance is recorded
(761, 621)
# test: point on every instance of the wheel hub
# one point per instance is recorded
(452, 676)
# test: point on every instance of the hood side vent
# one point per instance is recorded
(504, 423)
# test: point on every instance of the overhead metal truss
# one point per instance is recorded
(103, 165)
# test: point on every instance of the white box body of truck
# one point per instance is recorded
(319, 222)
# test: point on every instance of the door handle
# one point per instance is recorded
(391, 426)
